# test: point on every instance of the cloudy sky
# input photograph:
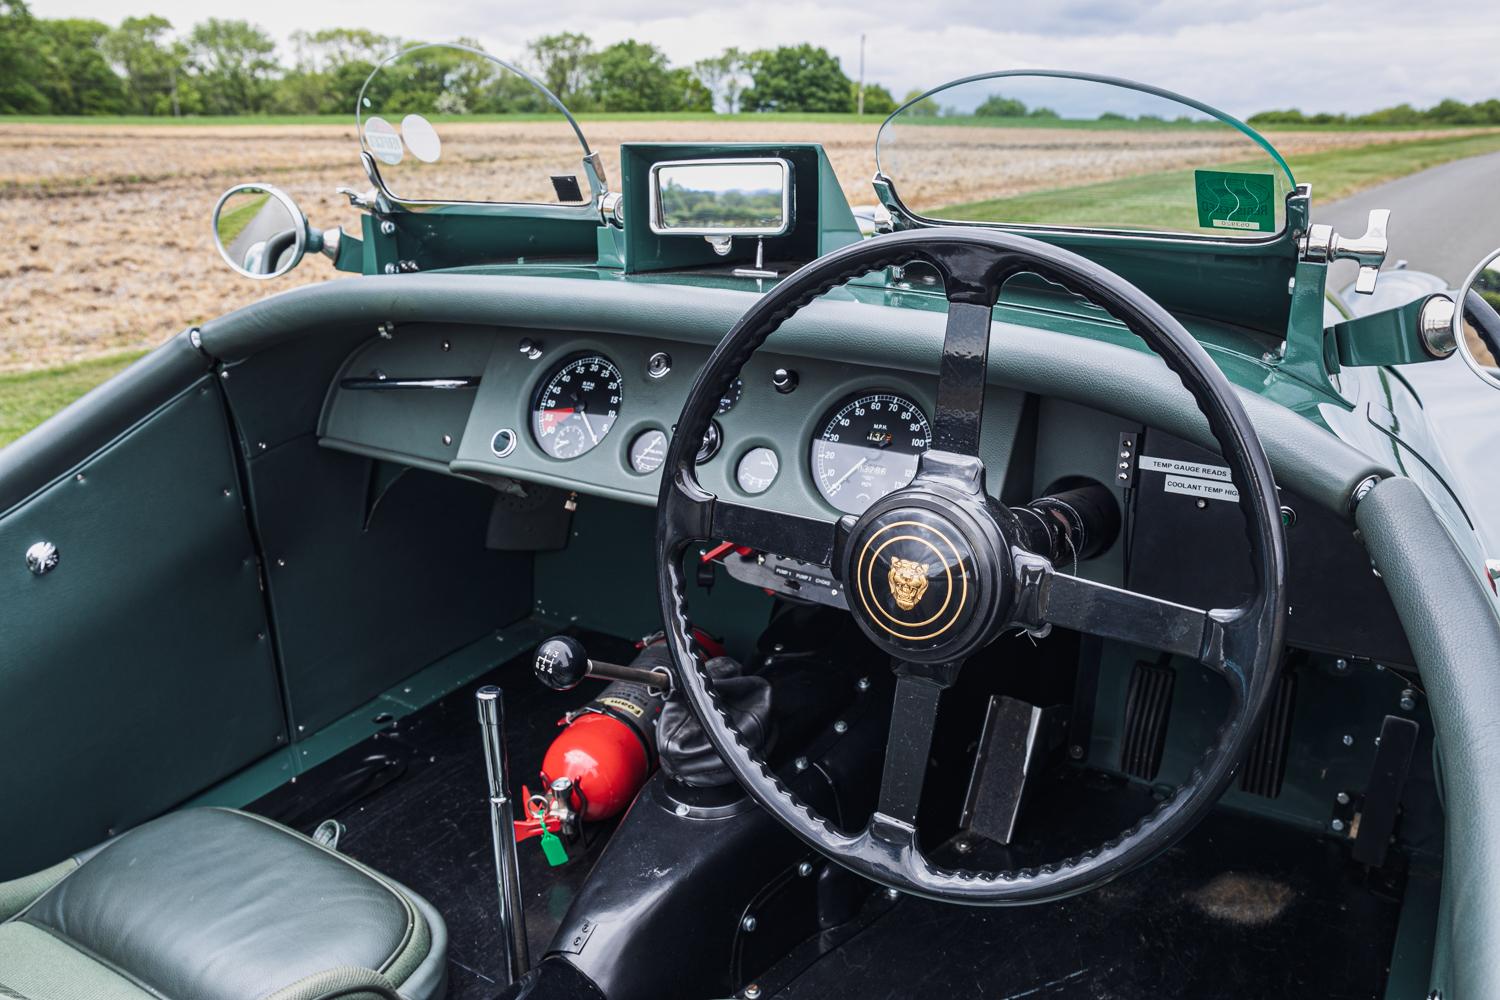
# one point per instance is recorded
(1241, 55)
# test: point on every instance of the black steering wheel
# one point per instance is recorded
(936, 571)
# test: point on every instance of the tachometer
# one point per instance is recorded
(868, 447)
(576, 406)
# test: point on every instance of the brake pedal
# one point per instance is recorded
(1148, 708)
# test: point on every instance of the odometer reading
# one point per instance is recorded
(576, 406)
(868, 447)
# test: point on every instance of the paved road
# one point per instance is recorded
(271, 220)
(1443, 220)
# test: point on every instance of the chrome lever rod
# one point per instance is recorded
(502, 827)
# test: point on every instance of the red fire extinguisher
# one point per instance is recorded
(607, 749)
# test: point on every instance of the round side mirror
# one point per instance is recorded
(1476, 327)
(259, 230)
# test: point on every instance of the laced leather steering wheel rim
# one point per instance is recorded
(987, 582)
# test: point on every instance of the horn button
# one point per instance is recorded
(927, 575)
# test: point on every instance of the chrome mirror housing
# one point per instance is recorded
(1476, 326)
(721, 199)
(260, 231)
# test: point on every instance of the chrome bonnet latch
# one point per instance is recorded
(1322, 245)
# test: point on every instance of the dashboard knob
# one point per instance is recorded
(784, 379)
(561, 663)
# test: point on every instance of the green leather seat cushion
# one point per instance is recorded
(213, 904)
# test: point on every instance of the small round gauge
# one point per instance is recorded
(576, 405)
(648, 451)
(868, 447)
(757, 470)
(731, 396)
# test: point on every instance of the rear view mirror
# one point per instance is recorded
(259, 230)
(1476, 327)
(721, 199)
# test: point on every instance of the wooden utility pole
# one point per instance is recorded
(860, 100)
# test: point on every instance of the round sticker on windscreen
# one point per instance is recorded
(383, 140)
(421, 138)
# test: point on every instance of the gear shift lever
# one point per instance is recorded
(561, 663)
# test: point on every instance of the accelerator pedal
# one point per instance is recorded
(1265, 764)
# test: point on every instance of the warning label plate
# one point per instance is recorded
(1206, 488)
(1182, 467)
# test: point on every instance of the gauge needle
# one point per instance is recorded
(841, 479)
(588, 426)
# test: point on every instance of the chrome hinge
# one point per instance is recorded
(360, 200)
(1322, 245)
(612, 209)
(595, 162)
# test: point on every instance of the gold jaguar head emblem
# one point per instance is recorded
(908, 580)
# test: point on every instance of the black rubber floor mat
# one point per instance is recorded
(414, 799)
(1242, 908)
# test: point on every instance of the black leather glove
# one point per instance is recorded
(685, 752)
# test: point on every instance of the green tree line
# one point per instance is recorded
(1447, 112)
(223, 66)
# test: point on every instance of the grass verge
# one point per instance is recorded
(28, 398)
(1165, 200)
(1339, 173)
(232, 221)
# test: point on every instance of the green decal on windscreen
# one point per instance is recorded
(1229, 200)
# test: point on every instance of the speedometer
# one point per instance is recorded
(868, 447)
(576, 406)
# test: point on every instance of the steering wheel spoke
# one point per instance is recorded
(914, 710)
(805, 538)
(701, 515)
(1051, 598)
(961, 378)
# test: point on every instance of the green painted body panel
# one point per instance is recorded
(140, 669)
(1246, 356)
(1305, 354)
(1248, 300)
(365, 593)
(616, 591)
(1388, 337)
(347, 548)
(351, 255)
(380, 713)
(822, 220)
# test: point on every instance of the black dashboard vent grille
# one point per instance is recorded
(1148, 707)
(1265, 764)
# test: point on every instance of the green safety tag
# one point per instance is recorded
(1228, 200)
(553, 849)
